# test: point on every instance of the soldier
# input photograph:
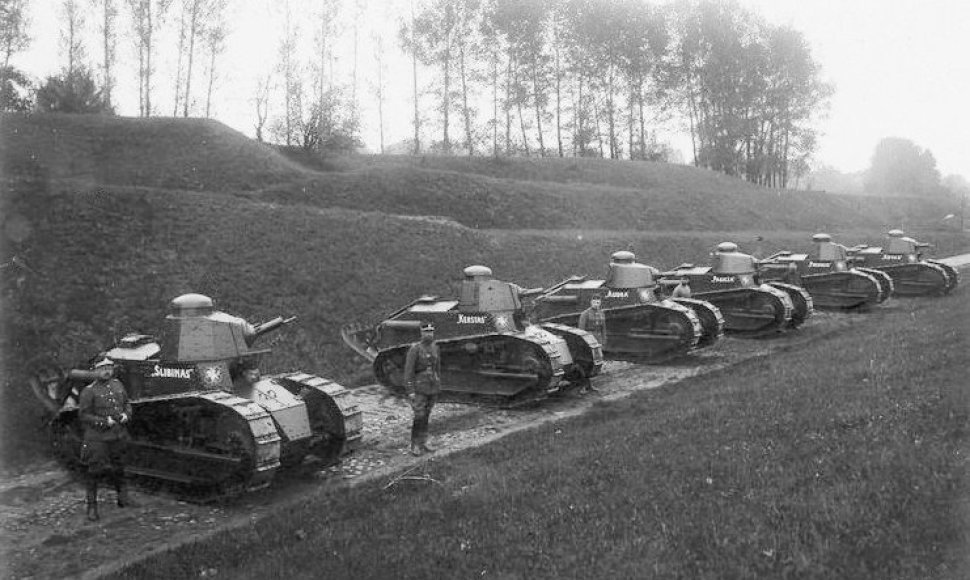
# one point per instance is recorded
(105, 411)
(682, 290)
(593, 321)
(422, 379)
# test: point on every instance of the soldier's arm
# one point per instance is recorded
(583, 320)
(409, 369)
(124, 393)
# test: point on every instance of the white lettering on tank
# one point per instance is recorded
(170, 373)
(616, 294)
(466, 319)
(819, 264)
(723, 279)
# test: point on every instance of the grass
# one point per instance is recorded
(845, 459)
(114, 217)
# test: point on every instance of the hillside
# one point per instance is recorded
(94, 246)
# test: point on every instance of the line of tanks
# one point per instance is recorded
(199, 418)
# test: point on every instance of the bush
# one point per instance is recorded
(72, 93)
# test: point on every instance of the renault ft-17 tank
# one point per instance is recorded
(488, 347)
(827, 275)
(902, 260)
(201, 412)
(731, 283)
(639, 323)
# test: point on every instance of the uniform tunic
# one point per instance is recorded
(593, 321)
(104, 444)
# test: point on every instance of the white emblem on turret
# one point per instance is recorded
(466, 319)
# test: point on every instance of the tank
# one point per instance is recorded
(196, 419)
(826, 273)
(489, 348)
(640, 324)
(902, 259)
(731, 283)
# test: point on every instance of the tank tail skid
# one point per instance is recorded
(361, 338)
(885, 281)
(758, 311)
(712, 321)
(499, 366)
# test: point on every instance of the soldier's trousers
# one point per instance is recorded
(422, 406)
(104, 460)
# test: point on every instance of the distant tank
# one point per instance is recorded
(488, 346)
(195, 417)
(731, 283)
(902, 259)
(639, 323)
(828, 276)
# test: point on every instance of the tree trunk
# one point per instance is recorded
(464, 98)
(178, 66)
(212, 76)
(536, 101)
(495, 103)
(193, 30)
(414, 71)
(148, 59)
(558, 102)
(508, 107)
(108, 82)
(446, 103)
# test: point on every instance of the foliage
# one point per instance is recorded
(15, 91)
(76, 92)
(13, 28)
(901, 167)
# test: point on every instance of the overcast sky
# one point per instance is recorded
(900, 69)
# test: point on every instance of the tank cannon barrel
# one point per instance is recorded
(268, 326)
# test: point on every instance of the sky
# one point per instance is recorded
(899, 68)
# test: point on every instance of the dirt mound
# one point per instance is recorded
(196, 154)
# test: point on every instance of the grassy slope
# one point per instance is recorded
(106, 259)
(846, 459)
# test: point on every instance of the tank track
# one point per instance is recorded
(335, 419)
(503, 366)
(803, 306)
(586, 351)
(712, 321)
(771, 314)
(651, 343)
(886, 286)
(907, 284)
(951, 272)
(243, 455)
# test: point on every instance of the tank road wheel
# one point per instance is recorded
(540, 369)
(237, 444)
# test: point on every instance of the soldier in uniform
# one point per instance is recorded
(422, 379)
(593, 321)
(682, 290)
(105, 411)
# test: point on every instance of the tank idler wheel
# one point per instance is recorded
(533, 365)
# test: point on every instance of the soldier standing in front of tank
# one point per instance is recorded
(593, 321)
(105, 411)
(422, 379)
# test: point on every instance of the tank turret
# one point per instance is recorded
(626, 272)
(480, 292)
(829, 251)
(728, 260)
(194, 331)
